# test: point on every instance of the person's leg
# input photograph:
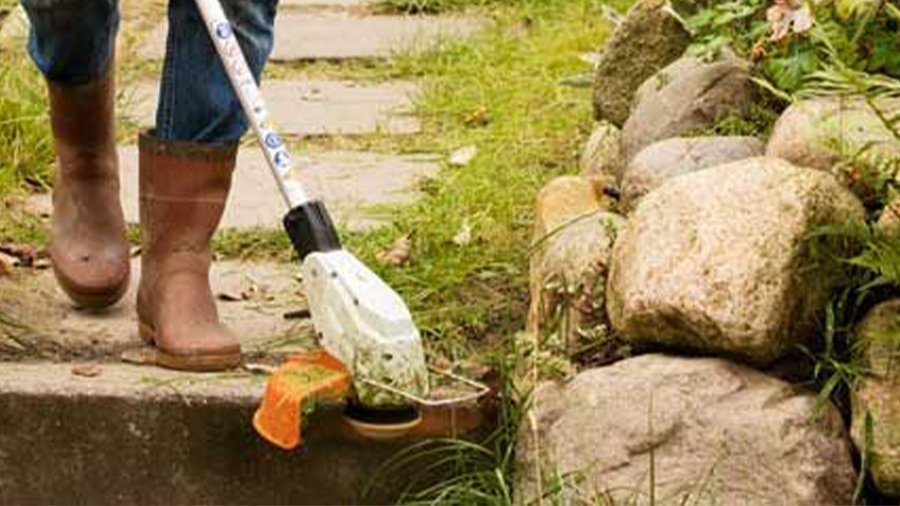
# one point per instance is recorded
(186, 166)
(196, 101)
(72, 43)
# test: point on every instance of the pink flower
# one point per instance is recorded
(786, 16)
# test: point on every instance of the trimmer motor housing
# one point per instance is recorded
(360, 319)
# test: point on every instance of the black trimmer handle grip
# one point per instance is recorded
(311, 230)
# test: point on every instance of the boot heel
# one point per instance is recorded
(148, 335)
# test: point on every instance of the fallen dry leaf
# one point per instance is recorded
(42, 263)
(140, 356)
(228, 297)
(461, 157)
(464, 236)
(397, 254)
(6, 264)
(299, 314)
(478, 117)
(592, 59)
(87, 370)
(27, 254)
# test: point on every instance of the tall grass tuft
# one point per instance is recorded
(456, 471)
(26, 152)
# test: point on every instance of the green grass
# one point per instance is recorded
(27, 154)
(24, 131)
(502, 94)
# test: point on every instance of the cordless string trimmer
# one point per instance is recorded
(360, 319)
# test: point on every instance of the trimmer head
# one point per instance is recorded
(359, 318)
(366, 325)
(382, 424)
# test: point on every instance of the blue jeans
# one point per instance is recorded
(72, 43)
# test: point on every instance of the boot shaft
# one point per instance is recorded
(83, 122)
(183, 189)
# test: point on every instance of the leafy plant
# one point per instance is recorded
(783, 39)
(734, 24)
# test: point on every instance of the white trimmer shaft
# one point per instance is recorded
(360, 319)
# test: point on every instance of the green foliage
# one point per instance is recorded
(758, 122)
(735, 24)
(859, 30)
(836, 358)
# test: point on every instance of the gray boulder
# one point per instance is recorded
(819, 133)
(566, 199)
(715, 433)
(603, 152)
(568, 278)
(716, 262)
(661, 161)
(878, 396)
(687, 95)
(648, 39)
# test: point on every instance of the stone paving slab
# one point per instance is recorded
(265, 292)
(143, 435)
(304, 36)
(314, 107)
(351, 183)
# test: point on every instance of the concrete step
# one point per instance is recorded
(142, 435)
(313, 107)
(254, 298)
(334, 36)
(352, 184)
(82, 421)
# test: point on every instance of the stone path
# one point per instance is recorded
(314, 107)
(302, 35)
(354, 184)
(79, 418)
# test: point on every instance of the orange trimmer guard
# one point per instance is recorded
(310, 377)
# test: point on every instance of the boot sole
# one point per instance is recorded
(193, 363)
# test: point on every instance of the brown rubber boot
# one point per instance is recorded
(88, 246)
(183, 188)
